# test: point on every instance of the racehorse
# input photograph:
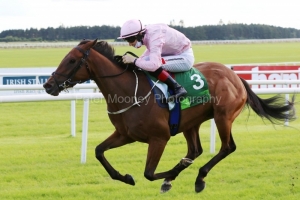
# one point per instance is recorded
(145, 121)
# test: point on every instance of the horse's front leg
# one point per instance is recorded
(155, 151)
(113, 141)
(194, 150)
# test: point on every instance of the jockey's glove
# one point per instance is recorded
(127, 58)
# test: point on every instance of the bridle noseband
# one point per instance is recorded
(68, 82)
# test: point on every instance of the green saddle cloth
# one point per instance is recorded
(196, 85)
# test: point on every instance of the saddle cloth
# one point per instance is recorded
(197, 93)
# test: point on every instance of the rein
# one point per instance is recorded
(135, 91)
(114, 75)
(109, 76)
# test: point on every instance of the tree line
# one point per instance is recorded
(207, 32)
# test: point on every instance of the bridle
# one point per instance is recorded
(83, 61)
(67, 83)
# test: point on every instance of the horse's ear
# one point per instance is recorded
(95, 41)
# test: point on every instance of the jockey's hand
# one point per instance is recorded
(127, 58)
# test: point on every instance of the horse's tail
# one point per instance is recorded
(276, 109)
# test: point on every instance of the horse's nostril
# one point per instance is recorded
(47, 86)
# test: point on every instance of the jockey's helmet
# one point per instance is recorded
(131, 28)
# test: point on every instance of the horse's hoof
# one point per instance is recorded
(166, 186)
(199, 186)
(129, 179)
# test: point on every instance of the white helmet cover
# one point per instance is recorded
(130, 28)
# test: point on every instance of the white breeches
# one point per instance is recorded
(179, 63)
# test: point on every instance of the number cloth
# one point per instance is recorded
(196, 85)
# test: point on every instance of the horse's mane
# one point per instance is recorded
(107, 51)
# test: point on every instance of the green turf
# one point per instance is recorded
(226, 54)
(40, 160)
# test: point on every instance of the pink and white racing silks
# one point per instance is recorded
(165, 42)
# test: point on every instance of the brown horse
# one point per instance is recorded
(146, 122)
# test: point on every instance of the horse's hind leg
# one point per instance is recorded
(227, 147)
(113, 141)
(194, 150)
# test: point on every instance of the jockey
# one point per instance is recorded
(166, 50)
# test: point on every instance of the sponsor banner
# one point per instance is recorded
(33, 76)
(24, 80)
(269, 76)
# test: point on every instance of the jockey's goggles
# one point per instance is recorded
(130, 39)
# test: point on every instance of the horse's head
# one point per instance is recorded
(73, 69)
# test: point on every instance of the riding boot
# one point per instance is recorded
(165, 77)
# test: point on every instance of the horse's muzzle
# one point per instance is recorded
(51, 89)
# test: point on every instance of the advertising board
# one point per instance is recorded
(259, 72)
(28, 76)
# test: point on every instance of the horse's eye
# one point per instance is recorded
(72, 61)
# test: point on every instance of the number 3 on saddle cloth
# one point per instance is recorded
(195, 84)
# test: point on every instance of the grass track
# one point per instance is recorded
(226, 54)
(43, 161)
(39, 159)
